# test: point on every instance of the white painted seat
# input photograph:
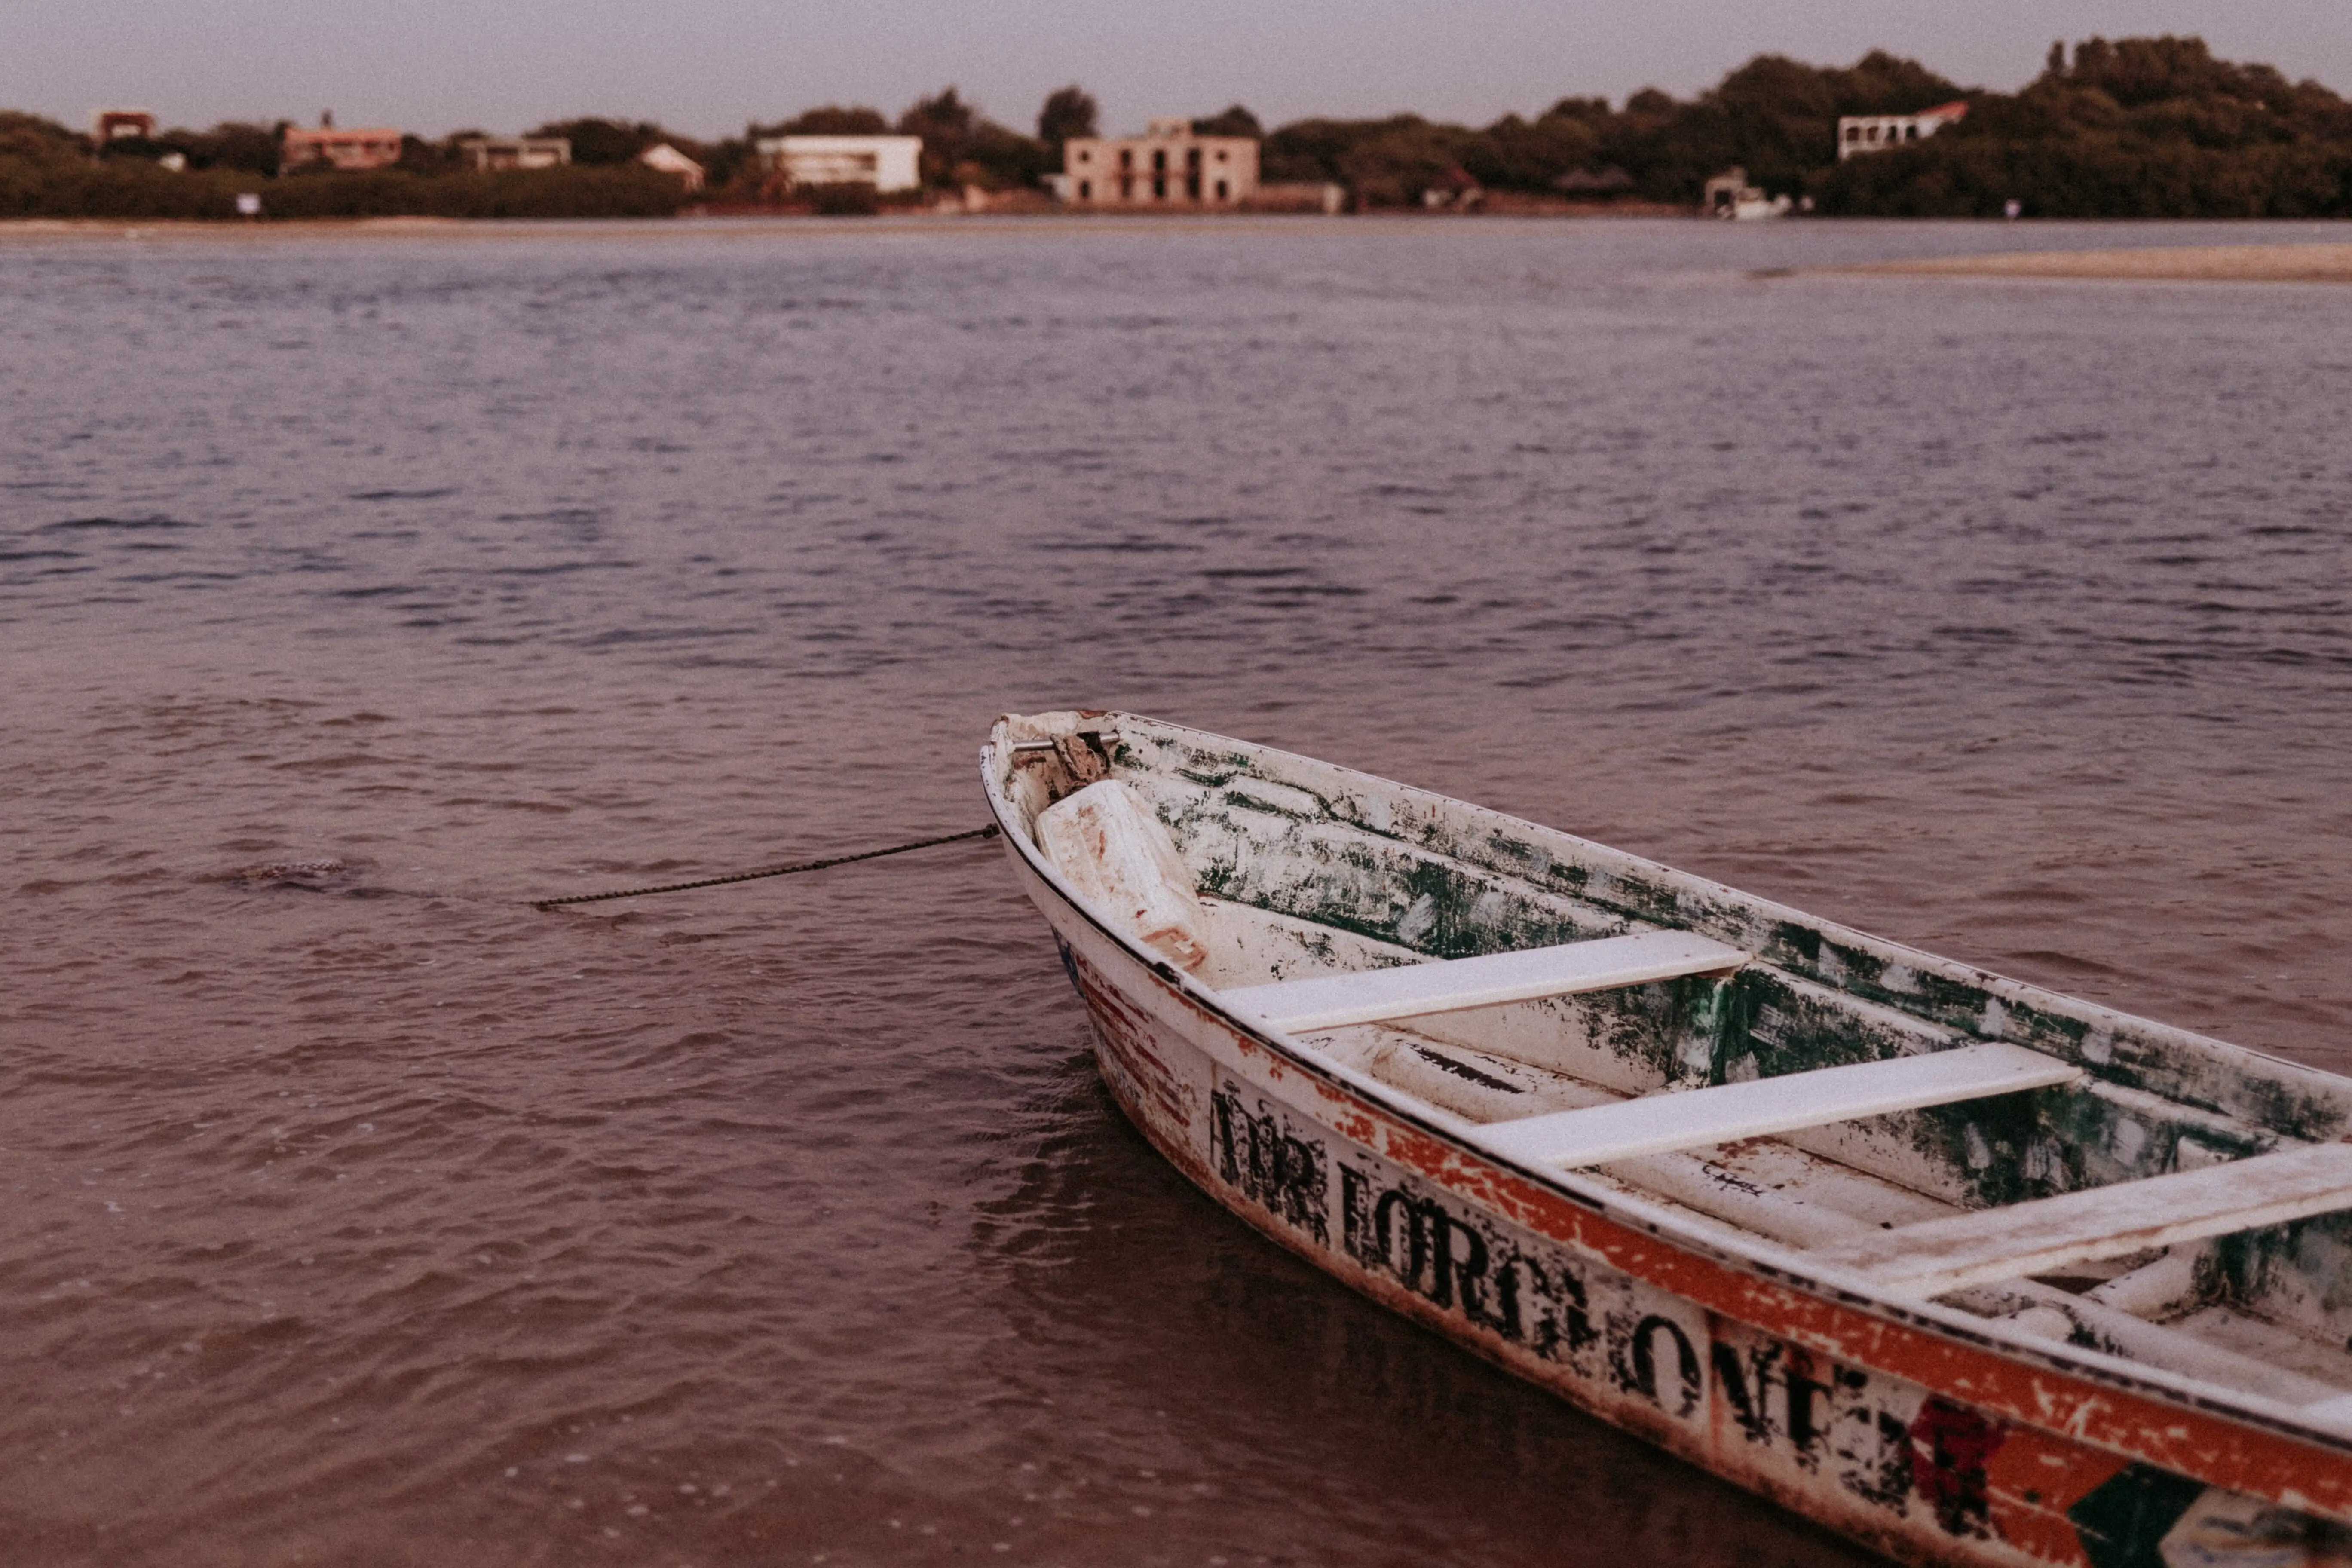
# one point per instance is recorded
(1449, 985)
(2050, 1233)
(1664, 1123)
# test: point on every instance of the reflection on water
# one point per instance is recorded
(366, 1214)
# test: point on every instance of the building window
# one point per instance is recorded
(1159, 190)
(1221, 189)
(1854, 133)
(1086, 156)
(1220, 154)
(1126, 187)
(1086, 190)
(1160, 159)
(1192, 188)
(1911, 133)
(1127, 157)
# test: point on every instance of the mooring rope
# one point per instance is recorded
(987, 832)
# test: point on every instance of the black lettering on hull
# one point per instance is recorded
(1692, 1384)
(1258, 1156)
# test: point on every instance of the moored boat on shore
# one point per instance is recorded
(1963, 1269)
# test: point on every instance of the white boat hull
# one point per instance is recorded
(1887, 1425)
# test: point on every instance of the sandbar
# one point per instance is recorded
(2167, 263)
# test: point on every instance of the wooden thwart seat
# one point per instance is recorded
(1450, 986)
(2050, 1233)
(1664, 1123)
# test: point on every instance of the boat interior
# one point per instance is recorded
(2055, 1170)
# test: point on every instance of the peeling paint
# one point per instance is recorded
(1906, 1428)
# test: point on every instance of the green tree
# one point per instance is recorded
(30, 138)
(601, 142)
(2133, 128)
(1068, 111)
(830, 119)
(231, 144)
(1515, 155)
(142, 149)
(1591, 112)
(727, 161)
(963, 147)
(944, 122)
(426, 157)
(1313, 150)
(1234, 120)
(1409, 156)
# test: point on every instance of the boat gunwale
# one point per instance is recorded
(1771, 1262)
(2095, 1015)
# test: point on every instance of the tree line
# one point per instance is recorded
(48, 171)
(2130, 128)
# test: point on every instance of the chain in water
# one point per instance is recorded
(987, 832)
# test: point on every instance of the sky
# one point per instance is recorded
(706, 67)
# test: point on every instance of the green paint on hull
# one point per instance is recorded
(1308, 842)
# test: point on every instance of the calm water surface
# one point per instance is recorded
(384, 1220)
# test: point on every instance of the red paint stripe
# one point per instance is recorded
(2177, 1437)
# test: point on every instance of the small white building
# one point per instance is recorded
(516, 151)
(1876, 132)
(886, 163)
(668, 160)
(1729, 195)
(1168, 165)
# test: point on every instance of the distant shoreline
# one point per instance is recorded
(2288, 263)
(726, 225)
(757, 222)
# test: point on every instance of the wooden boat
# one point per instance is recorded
(1966, 1270)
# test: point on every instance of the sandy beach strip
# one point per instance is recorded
(2184, 264)
(31, 232)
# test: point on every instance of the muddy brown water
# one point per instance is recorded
(366, 1215)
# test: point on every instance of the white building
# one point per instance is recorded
(886, 163)
(661, 156)
(1167, 164)
(1876, 132)
(1729, 195)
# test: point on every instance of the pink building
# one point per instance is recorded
(1167, 165)
(111, 124)
(376, 147)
